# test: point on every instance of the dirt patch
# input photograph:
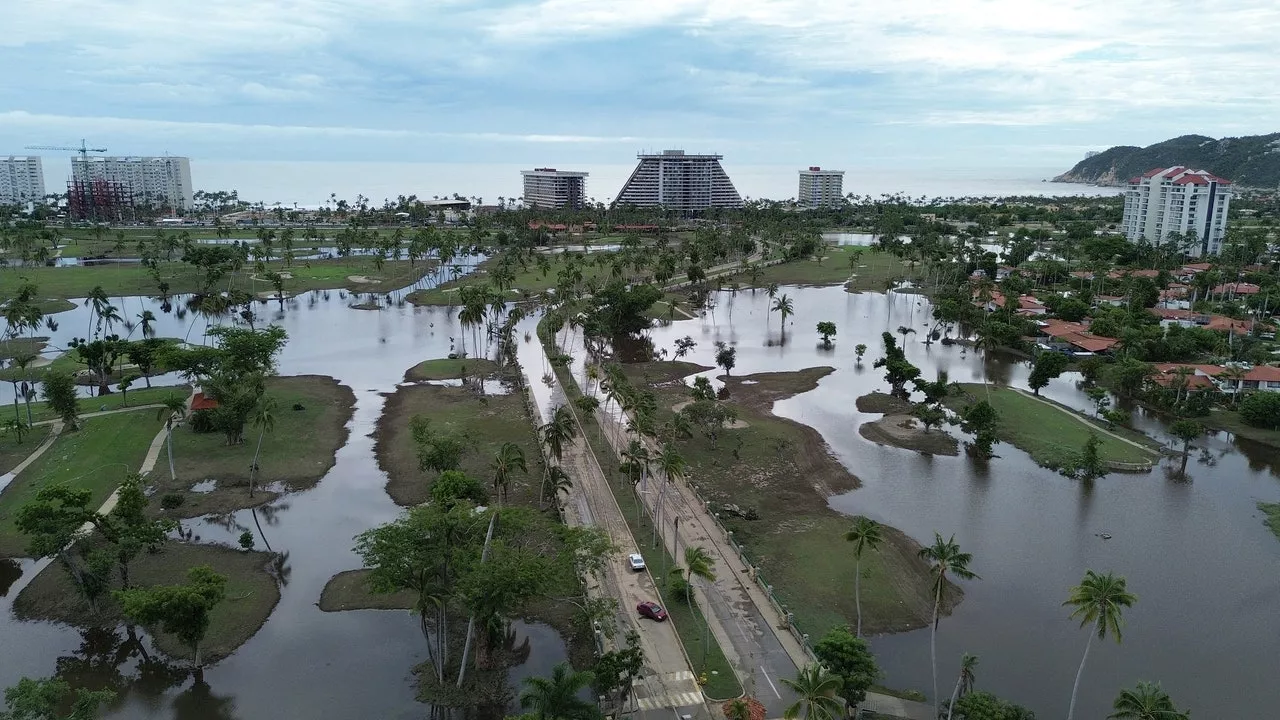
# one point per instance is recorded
(761, 390)
(349, 590)
(252, 593)
(905, 432)
(486, 421)
(883, 403)
(365, 280)
(310, 426)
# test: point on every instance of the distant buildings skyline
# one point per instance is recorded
(820, 188)
(678, 181)
(1178, 200)
(100, 187)
(551, 188)
(21, 179)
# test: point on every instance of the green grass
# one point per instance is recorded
(1052, 437)
(1231, 421)
(528, 280)
(70, 361)
(137, 396)
(96, 457)
(873, 272)
(19, 347)
(1272, 511)
(451, 368)
(77, 282)
(11, 452)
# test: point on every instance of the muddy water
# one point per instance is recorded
(303, 663)
(1204, 567)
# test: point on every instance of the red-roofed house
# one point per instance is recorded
(1236, 288)
(1261, 377)
(1072, 337)
(1147, 273)
(200, 401)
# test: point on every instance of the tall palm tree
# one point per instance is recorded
(172, 409)
(1099, 600)
(964, 682)
(816, 691)
(671, 462)
(945, 557)
(560, 430)
(146, 320)
(698, 564)
(1146, 702)
(559, 481)
(635, 461)
(509, 459)
(264, 418)
(865, 535)
(556, 697)
(784, 307)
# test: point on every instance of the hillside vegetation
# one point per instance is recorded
(1252, 161)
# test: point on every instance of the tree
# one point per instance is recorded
(784, 307)
(616, 671)
(930, 416)
(981, 421)
(454, 486)
(865, 535)
(556, 697)
(1098, 601)
(506, 461)
(944, 557)
(264, 418)
(182, 610)
(173, 409)
(130, 529)
(979, 705)
(683, 346)
(52, 523)
(726, 357)
(898, 371)
(964, 682)
(859, 350)
(848, 658)
(816, 695)
(560, 430)
(1261, 409)
(18, 428)
(1186, 431)
(826, 329)
(1147, 701)
(1047, 366)
(47, 699)
(60, 392)
(1088, 465)
(437, 451)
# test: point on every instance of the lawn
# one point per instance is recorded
(450, 369)
(136, 397)
(310, 426)
(1231, 421)
(97, 457)
(22, 346)
(133, 279)
(11, 452)
(251, 594)
(1272, 511)
(528, 280)
(873, 271)
(1051, 434)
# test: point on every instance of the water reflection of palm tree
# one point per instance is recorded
(199, 703)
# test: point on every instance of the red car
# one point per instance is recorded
(651, 610)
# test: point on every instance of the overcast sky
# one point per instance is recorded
(906, 83)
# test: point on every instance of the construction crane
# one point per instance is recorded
(84, 149)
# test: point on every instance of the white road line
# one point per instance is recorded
(771, 685)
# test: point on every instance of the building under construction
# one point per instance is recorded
(121, 189)
(99, 200)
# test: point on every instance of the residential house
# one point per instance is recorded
(1071, 337)
(1265, 378)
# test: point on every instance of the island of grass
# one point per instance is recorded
(451, 369)
(1052, 434)
(860, 269)
(21, 347)
(311, 416)
(358, 274)
(530, 280)
(252, 594)
(70, 361)
(900, 428)
(769, 481)
(98, 456)
(1272, 511)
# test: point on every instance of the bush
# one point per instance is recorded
(202, 422)
(1261, 409)
(169, 501)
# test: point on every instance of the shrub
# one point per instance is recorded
(169, 501)
(1261, 409)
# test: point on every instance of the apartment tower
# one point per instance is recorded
(107, 183)
(676, 181)
(1171, 203)
(21, 180)
(552, 188)
(820, 188)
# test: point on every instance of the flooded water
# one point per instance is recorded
(303, 663)
(1204, 567)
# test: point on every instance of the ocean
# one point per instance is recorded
(310, 184)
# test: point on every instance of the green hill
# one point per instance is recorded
(1252, 161)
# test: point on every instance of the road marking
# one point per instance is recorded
(670, 701)
(771, 685)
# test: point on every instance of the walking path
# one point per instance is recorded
(1092, 426)
(100, 413)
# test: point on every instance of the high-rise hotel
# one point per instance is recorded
(552, 188)
(820, 188)
(676, 181)
(21, 180)
(1177, 201)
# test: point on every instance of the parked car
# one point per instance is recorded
(651, 610)
(636, 561)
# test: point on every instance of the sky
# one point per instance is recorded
(924, 84)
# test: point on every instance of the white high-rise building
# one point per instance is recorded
(164, 182)
(1178, 200)
(677, 181)
(820, 188)
(21, 179)
(552, 188)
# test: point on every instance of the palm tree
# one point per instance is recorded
(556, 697)
(865, 535)
(698, 564)
(264, 419)
(816, 695)
(559, 481)
(964, 682)
(560, 430)
(172, 409)
(146, 320)
(509, 459)
(1099, 600)
(945, 557)
(671, 462)
(784, 307)
(1146, 702)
